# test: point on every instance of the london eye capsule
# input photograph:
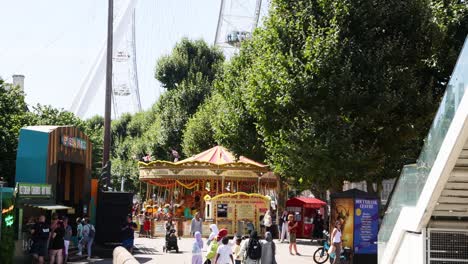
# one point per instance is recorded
(234, 38)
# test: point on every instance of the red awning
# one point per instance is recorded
(305, 202)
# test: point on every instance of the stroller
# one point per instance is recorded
(171, 241)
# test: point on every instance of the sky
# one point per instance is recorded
(54, 43)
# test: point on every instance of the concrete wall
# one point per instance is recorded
(411, 249)
(122, 256)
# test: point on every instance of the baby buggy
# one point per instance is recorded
(171, 241)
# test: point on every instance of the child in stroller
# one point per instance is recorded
(171, 240)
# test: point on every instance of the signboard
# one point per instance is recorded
(245, 211)
(33, 190)
(366, 226)
(73, 142)
(343, 210)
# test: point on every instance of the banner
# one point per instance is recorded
(342, 209)
(366, 226)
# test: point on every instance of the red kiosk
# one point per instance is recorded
(304, 210)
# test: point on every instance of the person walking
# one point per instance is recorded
(337, 242)
(57, 244)
(237, 251)
(252, 249)
(79, 230)
(147, 226)
(213, 248)
(66, 238)
(268, 250)
(197, 249)
(40, 235)
(196, 225)
(267, 221)
(224, 253)
(128, 235)
(283, 223)
(213, 234)
(88, 238)
(141, 223)
(292, 228)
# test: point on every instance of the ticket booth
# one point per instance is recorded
(236, 212)
(305, 209)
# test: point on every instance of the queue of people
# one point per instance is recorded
(53, 240)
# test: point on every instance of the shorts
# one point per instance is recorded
(127, 243)
(292, 238)
(39, 248)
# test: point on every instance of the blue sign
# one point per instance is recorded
(366, 226)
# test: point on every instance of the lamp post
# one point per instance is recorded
(1, 208)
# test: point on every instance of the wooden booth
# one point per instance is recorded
(305, 210)
(181, 189)
(53, 174)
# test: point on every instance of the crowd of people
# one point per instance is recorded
(52, 239)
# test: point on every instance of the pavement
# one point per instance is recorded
(151, 251)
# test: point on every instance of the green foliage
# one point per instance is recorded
(44, 115)
(340, 90)
(188, 60)
(13, 116)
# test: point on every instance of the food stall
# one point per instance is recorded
(305, 209)
(178, 189)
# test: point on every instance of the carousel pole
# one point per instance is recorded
(222, 184)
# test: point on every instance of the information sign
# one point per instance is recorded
(366, 224)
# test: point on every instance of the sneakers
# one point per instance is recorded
(88, 258)
(79, 254)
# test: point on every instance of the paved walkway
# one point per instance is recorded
(151, 251)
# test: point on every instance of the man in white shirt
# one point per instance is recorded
(224, 253)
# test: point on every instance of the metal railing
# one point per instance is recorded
(413, 177)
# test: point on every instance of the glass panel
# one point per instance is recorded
(413, 177)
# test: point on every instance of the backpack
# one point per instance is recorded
(92, 231)
(254, 250)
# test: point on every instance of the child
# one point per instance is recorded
(224, 253)
(197, 249)
(147, 226)
(237, 250)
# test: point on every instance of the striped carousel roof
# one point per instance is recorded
(220, 156)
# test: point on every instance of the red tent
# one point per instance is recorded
(305, 202)
(304, 210)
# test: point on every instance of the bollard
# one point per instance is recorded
(121, 256)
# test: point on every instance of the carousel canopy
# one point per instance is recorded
(216, 162)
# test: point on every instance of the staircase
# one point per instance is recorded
(432, 193)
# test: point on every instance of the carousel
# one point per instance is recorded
(233, 193)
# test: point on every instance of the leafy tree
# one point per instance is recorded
(343, 89)
(42, 115)
(187, 60)
(188, 73)
(94, 129)
(13, 116)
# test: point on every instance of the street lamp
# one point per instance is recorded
(1, 207)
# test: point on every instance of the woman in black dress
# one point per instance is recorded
(56, 244)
